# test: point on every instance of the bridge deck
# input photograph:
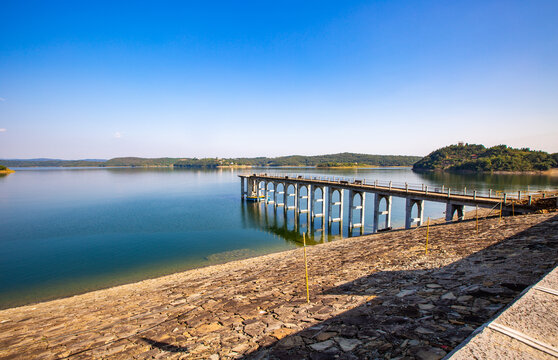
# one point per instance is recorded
(469, 200)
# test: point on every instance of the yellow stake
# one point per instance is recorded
(427, 231)
(513, 208)
(477, 216)
(500, 220)
(306, 268)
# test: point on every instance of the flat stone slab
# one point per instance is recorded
(256, 308)
(534, 315)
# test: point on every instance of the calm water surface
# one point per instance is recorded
(66, 231)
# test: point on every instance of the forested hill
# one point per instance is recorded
(342, 159)
(333, 160)
(477, 158)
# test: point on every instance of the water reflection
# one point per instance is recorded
(502, 182)
(289, 226)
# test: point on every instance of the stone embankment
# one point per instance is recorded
(377, 296)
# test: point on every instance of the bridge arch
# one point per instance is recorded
(451, 209)
(386, 210)
(336, 194)
(409, 219)
(288, 187)
(335, 205)
(357, 196)
(321, 193)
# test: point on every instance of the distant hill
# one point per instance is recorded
(477, 158)
(342, 159)
(333, 160)
(50, 163)
(136, 161)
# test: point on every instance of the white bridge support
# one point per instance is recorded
(352, 207)
(293, 195)
(280, 194)
(261, 190)
(386, 212)
(331, 204)
(409, 220)
(314, 205)
(267, 193)
(252, 187)
(307, 197)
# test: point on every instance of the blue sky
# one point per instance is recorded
(98, 79)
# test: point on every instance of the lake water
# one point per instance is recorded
(67, 231)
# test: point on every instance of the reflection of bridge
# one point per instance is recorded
(258, 217)
(311, 196)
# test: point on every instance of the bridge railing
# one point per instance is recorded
(515, 194)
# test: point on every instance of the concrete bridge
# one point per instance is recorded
(277, 190)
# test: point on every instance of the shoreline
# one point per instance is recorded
(257, 306)
(549, 172)
(483, 213)
(221, 167)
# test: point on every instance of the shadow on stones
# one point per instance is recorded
(164, 346)
(418, 314)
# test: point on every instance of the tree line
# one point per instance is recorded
(478, 158)
(332, 160)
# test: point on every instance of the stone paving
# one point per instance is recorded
(375, 296)
(533, 321)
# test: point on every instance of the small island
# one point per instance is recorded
(478, 158)
(4, 170)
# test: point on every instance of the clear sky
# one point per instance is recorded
(96, 79)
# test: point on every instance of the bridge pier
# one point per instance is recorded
(313, 214)
(331, 204)
(281, 194)
(386, 212)
(261, 192)
(352, 207)
(308, 198)
(252, 190)
(267, 191)
(409, 220)
(451, 209)
(294, 195)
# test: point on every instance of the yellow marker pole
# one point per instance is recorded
(306, 268)
(477, 216)
(427, 231)
(500, 220)
(513, 208)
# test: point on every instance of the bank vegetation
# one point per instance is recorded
(478, 158)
